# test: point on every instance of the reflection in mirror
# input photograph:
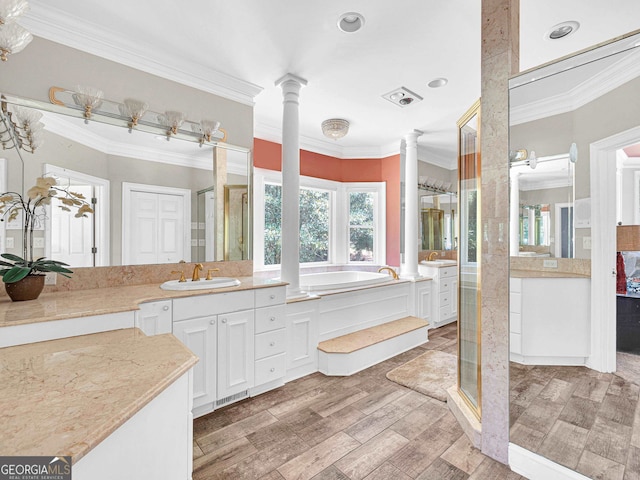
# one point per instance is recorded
(438, 220)
(542, 199)
(562, 310)
(147, 190)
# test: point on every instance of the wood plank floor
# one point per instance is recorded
(577, 417)
(341, 428)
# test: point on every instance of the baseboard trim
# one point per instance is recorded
(535, 467)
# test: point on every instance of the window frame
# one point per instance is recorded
(339, 227)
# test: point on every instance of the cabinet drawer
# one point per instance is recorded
(445, 299)
(446, 272)
(265, 297)
(213, 304)
(270, 343)
(446, 283)
(270, 369)
(270, 318)
(445, 312)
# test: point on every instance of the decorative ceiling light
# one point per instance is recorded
(438, 82)
(13, 38)
(402, 97)
(562, 30)
(89, 98)
(335, 128)
(134, 109)
(172, 120)
(350, 22)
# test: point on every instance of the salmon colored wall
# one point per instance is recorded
(268, 155)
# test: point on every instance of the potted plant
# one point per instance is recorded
(23, 276)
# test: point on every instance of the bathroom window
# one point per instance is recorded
(340, 222)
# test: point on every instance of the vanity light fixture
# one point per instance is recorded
(13, 37)
(562, 30)
(173, 120)
(26, 127)
(134, 109)
(335, 128)
(89, 98)
(207, 128)
(350, 22)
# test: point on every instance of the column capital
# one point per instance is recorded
(290, 78)
(413, 136)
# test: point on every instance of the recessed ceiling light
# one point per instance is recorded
(350, 22)
(562, 30)
(438, 82)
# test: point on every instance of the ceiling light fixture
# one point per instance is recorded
(335, 128)
(402, 96)
(13, 37)
(350, 22)
(438, 82)
(562, 30)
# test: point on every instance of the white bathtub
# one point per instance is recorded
(316, 282)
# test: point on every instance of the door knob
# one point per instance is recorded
(212, 322)
(272, 344)
(165, 308)
(273, 319)
(224, 320)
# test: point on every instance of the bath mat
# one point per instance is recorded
(430, 374)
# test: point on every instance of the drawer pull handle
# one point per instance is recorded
(165, 308)
(272, 297)
(272, 344)
(272, 319)
(224, 320)
(272, 369)
(212, 322)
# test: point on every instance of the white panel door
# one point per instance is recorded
(199, 336)
(171, 224)
(144, 228)
(156, 224)
(235, 352)
(72, 238)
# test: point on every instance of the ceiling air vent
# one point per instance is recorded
(402, 97)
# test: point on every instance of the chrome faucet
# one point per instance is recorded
(431, 256)
(196, 272)
(390, 270)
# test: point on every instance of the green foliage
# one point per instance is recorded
(361, 226)
(20, 267)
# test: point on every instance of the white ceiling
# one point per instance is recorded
(403, 43)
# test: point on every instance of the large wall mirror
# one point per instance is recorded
(159, 200)
(572, 396)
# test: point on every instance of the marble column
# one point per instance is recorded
(499, 60)
(290, 256)
(409, 267)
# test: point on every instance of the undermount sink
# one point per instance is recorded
(218, 282)
(439, 263)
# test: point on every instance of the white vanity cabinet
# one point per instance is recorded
(444, 301)
(240, 338)
(154, 318)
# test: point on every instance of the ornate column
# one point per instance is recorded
(290, 257)
(409, 267)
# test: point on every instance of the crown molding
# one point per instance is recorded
(439, 159)
(270, 133)
(605, 81)
(50, 23)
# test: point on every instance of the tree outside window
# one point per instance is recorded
(361, 225)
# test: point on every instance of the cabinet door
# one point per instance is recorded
(454, 297)
(235, 353)
(199, 336)
(154, 318)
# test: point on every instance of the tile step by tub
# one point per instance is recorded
(348, 354)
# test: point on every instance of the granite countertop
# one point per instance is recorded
(63, 397)
(545, 274)
(100, 301)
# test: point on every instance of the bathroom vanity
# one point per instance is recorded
(550, 321)
(444, 301)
